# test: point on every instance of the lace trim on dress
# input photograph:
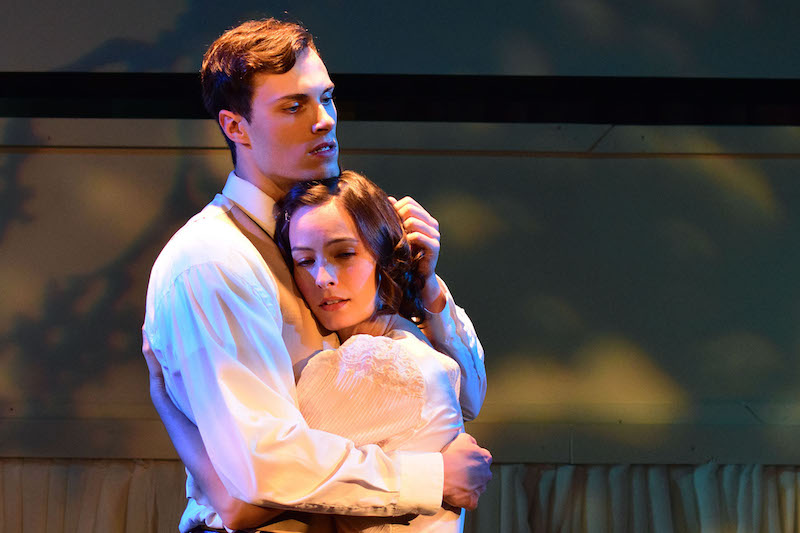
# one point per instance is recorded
(370, 390)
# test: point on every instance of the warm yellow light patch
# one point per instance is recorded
(467, 221)
(608, 379)
(745, 187)
(121, 392)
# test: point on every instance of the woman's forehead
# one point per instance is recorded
(324, 220)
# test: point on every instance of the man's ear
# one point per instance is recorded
(234, 126)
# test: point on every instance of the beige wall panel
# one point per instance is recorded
(745, 140)
(598, 140)
(611, 294)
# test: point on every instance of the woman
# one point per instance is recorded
(353, 264)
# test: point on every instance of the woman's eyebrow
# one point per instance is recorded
(337, 240)
(341, 239)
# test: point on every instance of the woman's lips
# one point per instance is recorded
(333, 304)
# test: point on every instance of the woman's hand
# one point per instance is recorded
(422, 232)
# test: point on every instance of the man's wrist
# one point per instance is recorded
(421, 494)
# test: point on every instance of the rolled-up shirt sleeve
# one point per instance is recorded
(218, 338)
(451, 332)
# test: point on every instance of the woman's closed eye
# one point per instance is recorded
(304, 262)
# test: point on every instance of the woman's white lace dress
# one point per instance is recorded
(395, 391)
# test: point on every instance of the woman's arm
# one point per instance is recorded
(451, 332)
(447, 327)
(185, 436)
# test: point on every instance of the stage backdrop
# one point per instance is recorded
(633, 286)
(686, 38)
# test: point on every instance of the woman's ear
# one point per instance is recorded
(234, 126)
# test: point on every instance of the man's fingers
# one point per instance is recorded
(488, 456)
(473, 501)
(153, 366)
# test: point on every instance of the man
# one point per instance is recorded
(228, 329)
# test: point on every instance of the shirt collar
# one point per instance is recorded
(252, 200)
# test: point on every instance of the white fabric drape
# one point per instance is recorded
(709, 498)
(144, 496)
(90, 496)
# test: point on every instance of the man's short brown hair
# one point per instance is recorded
(266, 46)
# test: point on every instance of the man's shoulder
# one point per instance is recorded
(210, 239)
(208, 235)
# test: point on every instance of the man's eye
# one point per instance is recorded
(294, 108)
(327, 99)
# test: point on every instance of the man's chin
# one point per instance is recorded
(328, 171)
(321, 173)
(332, 171)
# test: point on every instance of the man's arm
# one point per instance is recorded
(465, 474)
(235, 514)
(447, 327)
(214, 327)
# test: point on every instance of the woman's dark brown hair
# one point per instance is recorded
(380, 229)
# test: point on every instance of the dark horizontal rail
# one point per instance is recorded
(435, 98)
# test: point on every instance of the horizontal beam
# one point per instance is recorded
(429, 98)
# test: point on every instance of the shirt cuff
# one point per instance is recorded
(421, 482)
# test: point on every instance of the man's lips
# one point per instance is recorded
(325, 148)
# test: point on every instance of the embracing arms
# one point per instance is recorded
(234, 513)
(260, 447)
(465, 464)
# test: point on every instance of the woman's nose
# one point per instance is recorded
(325, 277)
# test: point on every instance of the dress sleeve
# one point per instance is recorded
(226, 367)
(451, 332)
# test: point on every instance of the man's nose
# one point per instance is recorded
(326, 119)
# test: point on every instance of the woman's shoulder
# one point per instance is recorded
(402, 328)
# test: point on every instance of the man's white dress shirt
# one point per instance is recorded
(232, 336)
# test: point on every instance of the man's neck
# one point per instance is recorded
(268, 186)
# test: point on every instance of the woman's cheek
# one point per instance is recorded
(304, 282)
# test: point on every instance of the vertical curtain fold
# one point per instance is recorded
(127, 496)
(91, 496)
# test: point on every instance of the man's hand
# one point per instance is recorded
(158, 388)
(466, 471)
(422, 232)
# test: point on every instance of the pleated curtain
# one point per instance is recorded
(144, 496)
